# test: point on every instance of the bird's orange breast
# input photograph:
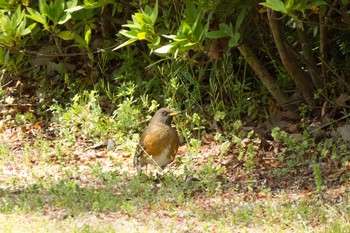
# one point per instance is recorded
(160, 144)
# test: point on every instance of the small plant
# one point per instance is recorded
(141, 27)
(190, 34)
(318, 177)
(127, 115)
(26, 118)
(293, 147)
(194, 146)
(4, 150)
(57, 12)
(82, 117)
(211, 176)
(14, 28)
(247, 151)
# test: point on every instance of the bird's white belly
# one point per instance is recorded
(164, 158)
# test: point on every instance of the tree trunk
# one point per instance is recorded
(302, 81)
(309, 58)
(264, 75)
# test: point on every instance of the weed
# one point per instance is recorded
(318, 177)
(194, 146)
(41, 146)
(127, 116)
(211, 176)
(4, 150)
(82, 118)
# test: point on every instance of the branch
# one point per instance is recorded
(302, 81)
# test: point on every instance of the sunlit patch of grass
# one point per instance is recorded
(152, 204)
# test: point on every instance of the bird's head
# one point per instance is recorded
(164, 115)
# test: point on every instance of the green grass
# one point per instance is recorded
(96, 198)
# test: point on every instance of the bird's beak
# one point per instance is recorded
(174, 113)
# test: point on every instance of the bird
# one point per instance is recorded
(159, 142)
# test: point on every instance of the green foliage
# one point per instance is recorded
(245, 145)
(276, 5)
(318, 177)
(306, 151)
(288, 7)
(51, 15)
(82, 117)
(226, 30)
(292, 8)
(14, 28)
(212, 177)
(26, 118)
(191, 32)
(142, 28)
(84, 25)
(127, 115)
(9, 62)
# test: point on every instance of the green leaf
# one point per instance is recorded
(139, 18)
(26, 31)
(154, 14)
(42, 5)
(206, 28)
(72, 4)
(4, 4)
(142, 36)
(64, 18)
(19, 15)
(134, 21)
(185, 29)
(156, 41)
(190, 45)
(58, 10)
(299, 5)
(80, 40)
(276, 5)
(171, 37)
(225, 28)
(66, 35)
(197, 27)
(240, 18)
(234, 39)
(92, 4)
(47, 11)
(164, 49)
(35, 15)
(87, 36)
(129, 34)
(130, 41)
(74, 9)
(219, 116)
(132, 26)
(32, 26)
(191, 12)
(91, 56)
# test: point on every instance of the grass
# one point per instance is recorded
(100, 196)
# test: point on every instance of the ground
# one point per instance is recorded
(63, 176)
(49, 186)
